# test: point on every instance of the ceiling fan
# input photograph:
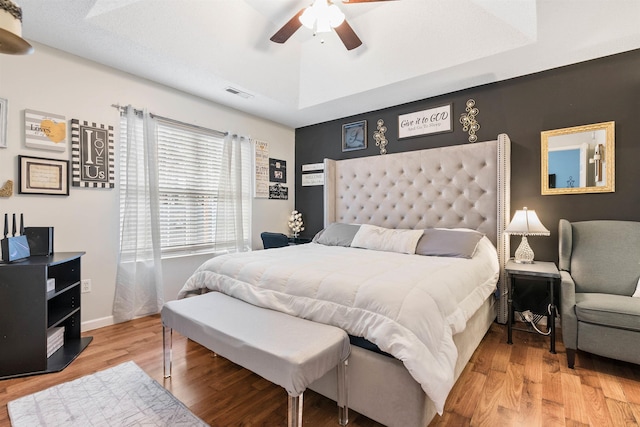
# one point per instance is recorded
(322, 16)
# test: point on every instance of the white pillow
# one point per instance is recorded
(385, 239)
(637, 292)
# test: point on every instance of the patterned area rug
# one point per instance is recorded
(120, 396)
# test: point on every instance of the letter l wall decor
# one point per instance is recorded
(92, 155)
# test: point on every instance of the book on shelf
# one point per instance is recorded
(55, 340)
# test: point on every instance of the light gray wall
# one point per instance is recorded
(87, 220)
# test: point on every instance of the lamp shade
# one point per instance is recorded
(525, 222)
(11, 40)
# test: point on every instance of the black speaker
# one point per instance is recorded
(40, 240)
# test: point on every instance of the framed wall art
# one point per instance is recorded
(3, 122)
(92, 155)
(261, 177)
(278, 191)
(426, 122)
(354, 136)
(45, 131)
(43, 176)
(277, 170)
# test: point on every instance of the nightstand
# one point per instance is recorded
(539, 270)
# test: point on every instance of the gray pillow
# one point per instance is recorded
(448, 242)
(337, 234)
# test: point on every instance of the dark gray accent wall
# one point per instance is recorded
(601, 90)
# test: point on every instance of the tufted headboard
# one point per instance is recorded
(458, 186)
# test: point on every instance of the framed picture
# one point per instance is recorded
(43, 176)
(92, 155)
(278, 191)
(3, 123)
(45, 131)
(277, 170)
(354, 136)
(426, 122)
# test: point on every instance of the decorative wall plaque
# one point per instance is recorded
(92, 155)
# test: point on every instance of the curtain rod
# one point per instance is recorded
(173, 121)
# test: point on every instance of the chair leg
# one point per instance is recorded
(571, 357)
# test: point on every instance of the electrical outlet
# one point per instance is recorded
(85, 285)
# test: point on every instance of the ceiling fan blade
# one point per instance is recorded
(287, 30)
(348, 36)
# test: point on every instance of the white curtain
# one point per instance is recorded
(234, 196)
(139, 274)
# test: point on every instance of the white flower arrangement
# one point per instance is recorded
(295, 223)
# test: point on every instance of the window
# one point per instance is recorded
(191, 190)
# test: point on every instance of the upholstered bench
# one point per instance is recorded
(286, 350)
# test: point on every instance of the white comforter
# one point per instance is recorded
(409, 305)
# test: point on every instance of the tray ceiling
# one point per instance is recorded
(413, 49)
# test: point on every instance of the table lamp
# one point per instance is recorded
(526, 223)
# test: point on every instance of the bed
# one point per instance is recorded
(424, 315)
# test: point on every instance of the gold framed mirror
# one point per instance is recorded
(578, 159)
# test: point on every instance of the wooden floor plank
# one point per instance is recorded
(574, 405)
(483, 357)
(552, 389)
(635, 411)
(530, 409)
(512, 387)
(465, 396)
(596, 405)
(552, 413)
(621, 413)
(631, 390)
(504, 385)
(489, 404)
(533, 369)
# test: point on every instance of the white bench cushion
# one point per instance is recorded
(286, 350)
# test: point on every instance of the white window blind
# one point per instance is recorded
(189, 167)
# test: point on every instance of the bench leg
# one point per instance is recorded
(294, 417)
(166, 344)
(343, 394)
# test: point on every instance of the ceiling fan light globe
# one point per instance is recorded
(336, 17)
(323, 24)
(308, 18)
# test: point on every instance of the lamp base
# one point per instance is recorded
(524, 253)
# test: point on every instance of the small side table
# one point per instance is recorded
(536, 271)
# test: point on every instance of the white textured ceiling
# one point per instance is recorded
(412, 49)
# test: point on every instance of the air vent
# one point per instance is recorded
(238, 92)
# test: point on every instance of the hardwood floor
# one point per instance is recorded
(503, 385)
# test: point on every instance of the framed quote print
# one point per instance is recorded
(43, 176)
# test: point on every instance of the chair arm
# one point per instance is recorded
(568, 311)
